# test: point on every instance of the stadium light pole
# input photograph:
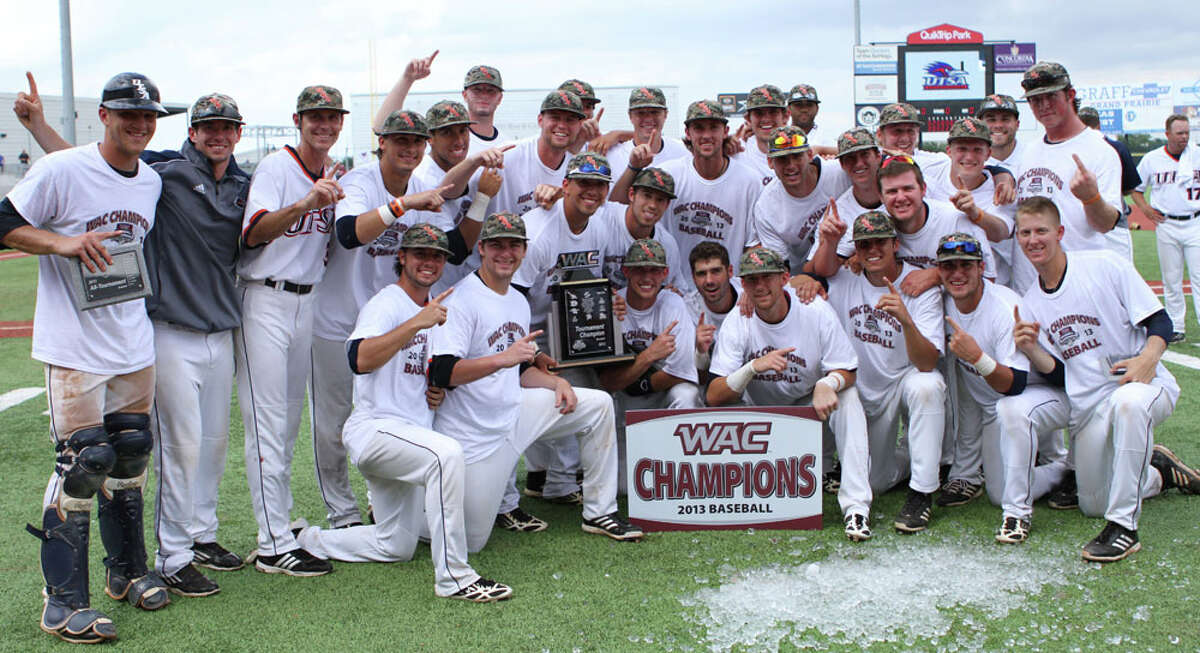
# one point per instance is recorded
(857, 23)
(64, 23)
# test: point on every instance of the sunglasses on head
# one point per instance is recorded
(795, 140)
(959, 246)
(893, 158)
(590, 168)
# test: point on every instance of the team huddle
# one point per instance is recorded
(963, 324)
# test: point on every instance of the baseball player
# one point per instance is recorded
(717, 295)
(535, 168)
(1106, 353)
(483, 89)
(1118, 239)
(792, 353)
(285, 235)
(649, 195)
(416, 476)
(1006, 416)
(589, 129)
(99, 363)
(1072, 166)
(789, 210)
(647, 114)
(803, 106)
(899, 132)
(190, 256)
(859, 158)
(766, 111)
(659, 328)
(898, 339)
(715, 194)
(1171, 174)
(500, 403)
(1003, 119)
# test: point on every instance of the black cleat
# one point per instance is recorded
(1113, 543)
(1174, 472)
(190, 582)
(1065, 495)
(914, 516)
(214, 556)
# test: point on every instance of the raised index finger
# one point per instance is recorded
(670, 327)
(32, 84)
(433, 56)
(891, 288)
(1017, 313)
(445, 294)
(532, 335)
(1079, 162)
(953, 324)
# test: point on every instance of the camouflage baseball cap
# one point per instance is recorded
(423, 234)
(803, 93)
(899, 113)
(969, 128)
(320, 96)
(1045, 77)
(215, 106)
(1089, 112)
(760, 260)
(998, 102)
(766, 97)
(447, 113)
(873, 224)
(704, 110)
(645, 253)
(483, 75)
(959, 246)
(589, 165)
(854, 140)
(581, 88)
(787, 140)
(402, 121)
(655, 179)
(647, 97)
(503, 225)
(563, 101)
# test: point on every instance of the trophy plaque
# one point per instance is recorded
(123, 280)
(584, 331)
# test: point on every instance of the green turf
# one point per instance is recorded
(575, 591)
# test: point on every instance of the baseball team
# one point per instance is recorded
(963, 323)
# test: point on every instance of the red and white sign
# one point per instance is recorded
(945, 33)
(724, 468)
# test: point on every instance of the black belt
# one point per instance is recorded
(1182, 217)
(298, 288)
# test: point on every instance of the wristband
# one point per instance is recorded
(741, 378)
(390, 211)
(636, 170)
(1095, 198)
(985, 365)
(833, 381)
(478, 210)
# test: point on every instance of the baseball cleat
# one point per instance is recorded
(519, 521)
(614, 526)
(831, 481)
(1013, 530)
(959, 492)
(1177, 337)
(915, 515)
(296, 562)
(534, 483)
(1065, 495)
(188, 581)
(573, 499)
(214, 556)
(857, 528)
(82, 626)
(1113, 543)
(1174, 472)
(483, 590)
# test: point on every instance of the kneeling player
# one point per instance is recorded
(498, 403)
(808, 360)
(659, 328)
(1005, 415)
(1108, 332)
(413, 473)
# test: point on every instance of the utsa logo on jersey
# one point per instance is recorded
(320, 219)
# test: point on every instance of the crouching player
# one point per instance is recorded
(1005, 415)
(791, 353)
(413, 473)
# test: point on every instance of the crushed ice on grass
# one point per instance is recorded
(898, 591)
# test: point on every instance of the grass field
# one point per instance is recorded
(950, 588)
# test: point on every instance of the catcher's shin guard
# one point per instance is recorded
(128, 576)
(66, 613)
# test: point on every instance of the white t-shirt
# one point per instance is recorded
(1047, 169)
(353, 276)
(642, 327)
(756, 160)
(1091, 322)
(618, 155)
(479, 143)
(849, 209)
(719, 209)
(620, 239)
(1013, 162)
(397, 389)
(991, 325)
(69, 193)
(818, 137)
(712, 317)
(1174, 183)
(919, 249)
(942, 188)
(878, 338)
(281, 180)
(931, 163)
(479, 322)
(788, 224)
(523, 172)
(813, 329)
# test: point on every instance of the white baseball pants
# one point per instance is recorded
(1178, 242)
(1028, 424)
(559, 458)
(678, 396)
(331, 398)
(918, 399)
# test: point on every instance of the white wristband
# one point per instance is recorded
(833, 381)
(985, 365)
(478, 210)
(741, 378)
(385, 214)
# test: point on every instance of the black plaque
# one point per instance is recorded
(123, 280)
(583, 328)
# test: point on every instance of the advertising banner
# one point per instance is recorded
(1015, 57)
(1142, 107)
(875, 89)
(875, 60)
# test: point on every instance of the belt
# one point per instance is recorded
(298, 288)
(1182, 217)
